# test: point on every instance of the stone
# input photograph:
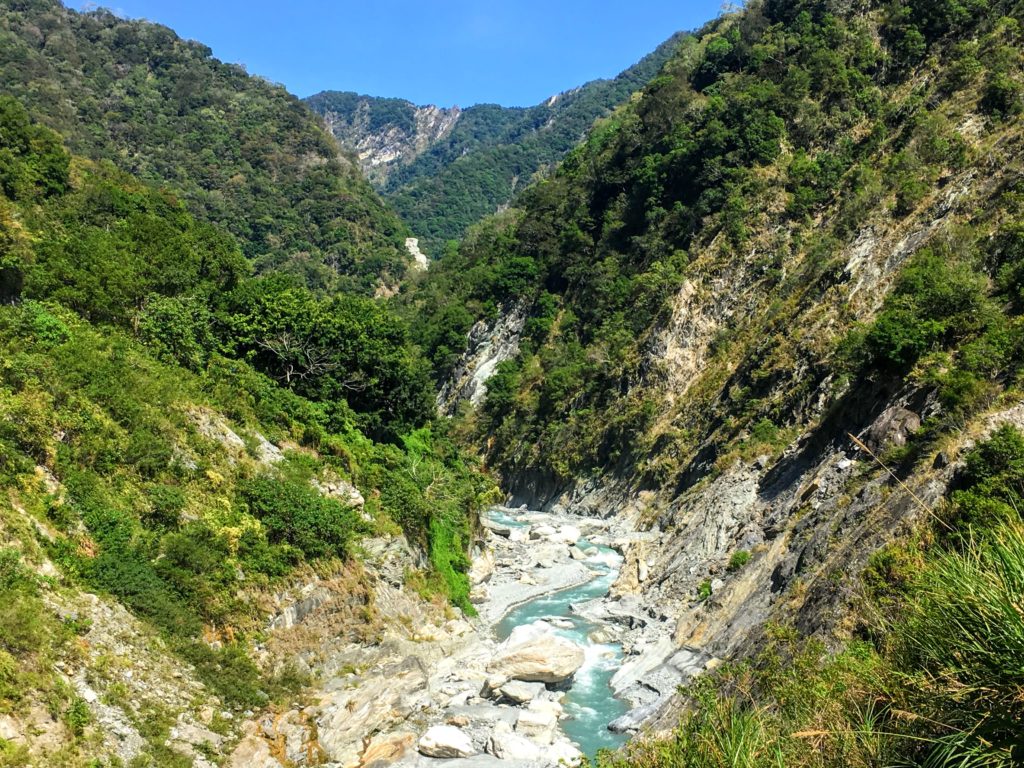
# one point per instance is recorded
(506, 745)
(533, 653)
(567, 534)
(9, 730)
(498, 529)
(577, 554)
(537, 725)
(445, 741)
(541, 532)
(521, 692)
(385, 749)
(252, 752)
(563, 751)
(893, 428)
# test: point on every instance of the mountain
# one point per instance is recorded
(444, 169)
(769, 314)
(745, 369)
(183, 444)
(242, 152)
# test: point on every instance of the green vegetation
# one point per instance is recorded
(492, 152)
(940, 682)
(738, 559)
(142, 366)
(761, 149)
(242, 153)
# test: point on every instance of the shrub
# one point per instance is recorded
(739, 558)
(295, 513)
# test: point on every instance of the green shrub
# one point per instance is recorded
(295, 513)
(739, 558)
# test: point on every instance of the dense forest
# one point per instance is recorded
(679, 182)
(241, 152)
(491, 153)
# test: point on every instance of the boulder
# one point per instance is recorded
(567, 534)
(498, 529)
(534, 653)
(387, 748)
(482, 568)
(541, 532)
(521, 692)
(538, 725)
(564, 751)
(506, 745)
(446, 741)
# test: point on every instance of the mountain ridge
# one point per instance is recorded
(479, 156)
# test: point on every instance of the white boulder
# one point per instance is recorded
(445, 741)
(535, 654)
(506, 745)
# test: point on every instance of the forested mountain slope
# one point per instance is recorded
(794, 257)
(445, 169)
(187, 451)
(242, 152)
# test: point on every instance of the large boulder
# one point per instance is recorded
(541, 532)
(567, 534)
(482, 567)
(520, 692)
(535, 654)
(446, 741)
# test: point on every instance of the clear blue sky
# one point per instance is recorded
(513, 52)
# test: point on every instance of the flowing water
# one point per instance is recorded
(589, 703)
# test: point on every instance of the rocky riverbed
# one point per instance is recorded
(528, 683)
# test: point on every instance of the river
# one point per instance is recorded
(589, 703)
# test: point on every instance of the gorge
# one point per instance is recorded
(674, 421)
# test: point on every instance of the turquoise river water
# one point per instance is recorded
(589, 703)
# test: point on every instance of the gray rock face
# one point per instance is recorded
(533, 653)
(445, 741)
(489, 344)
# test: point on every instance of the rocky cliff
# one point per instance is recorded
(385, 134)
(718, 345)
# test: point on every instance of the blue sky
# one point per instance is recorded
(513, 52)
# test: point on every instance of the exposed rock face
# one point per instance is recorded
(419, 258)
(490, 343)
(382, 149)
(533, 653)
(445, 741)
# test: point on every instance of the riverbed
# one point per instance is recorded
(589, 703)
